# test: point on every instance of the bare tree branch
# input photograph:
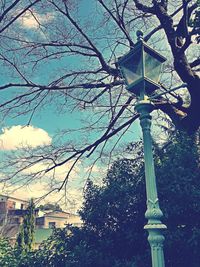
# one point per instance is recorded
(18, 15)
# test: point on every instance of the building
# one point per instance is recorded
(57, 219)
(50, 220)
(13, 210)
(7, 202)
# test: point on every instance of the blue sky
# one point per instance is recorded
(46, 123)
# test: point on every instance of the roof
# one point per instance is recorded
(14, 198)
(57, 214)
(42, 234)
(17, 212)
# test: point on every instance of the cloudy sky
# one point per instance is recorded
(15, 134)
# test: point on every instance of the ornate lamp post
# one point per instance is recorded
(141, 69)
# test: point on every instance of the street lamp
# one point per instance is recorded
(141, 69)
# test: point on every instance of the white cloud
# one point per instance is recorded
(37, 190)
(41, 187)
(94, 169)
(59, 173)
(19, 136)
(32, 20)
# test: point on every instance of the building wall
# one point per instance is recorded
(10, 205)
(3, 211)
(21, 205)
(2, 207)
(59, 222)
(75, 220)
(3, 198)
(11, 210)
(6, 204)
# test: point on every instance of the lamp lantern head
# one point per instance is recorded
(141, 68)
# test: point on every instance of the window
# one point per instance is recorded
(52, 224)
(40, 221)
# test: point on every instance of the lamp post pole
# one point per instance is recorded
(153, 214)
(141, 68)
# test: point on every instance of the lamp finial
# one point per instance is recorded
(139, 35)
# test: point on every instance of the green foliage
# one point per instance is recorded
(25, 237)
(8, 255)
(113, 215)
(195, 22)
(178, 181)
(20, 255)
(115, 212)
(20, 239)
(29, 226)
(50, 206)
(53, 251)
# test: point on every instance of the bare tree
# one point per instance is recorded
(74, 54)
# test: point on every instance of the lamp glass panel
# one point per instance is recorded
(152, 67)
(132, 68)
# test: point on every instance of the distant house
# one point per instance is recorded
(50, 220)
(57, 219)
(12, 202)
(13, 210)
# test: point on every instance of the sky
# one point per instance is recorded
(44, 125)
